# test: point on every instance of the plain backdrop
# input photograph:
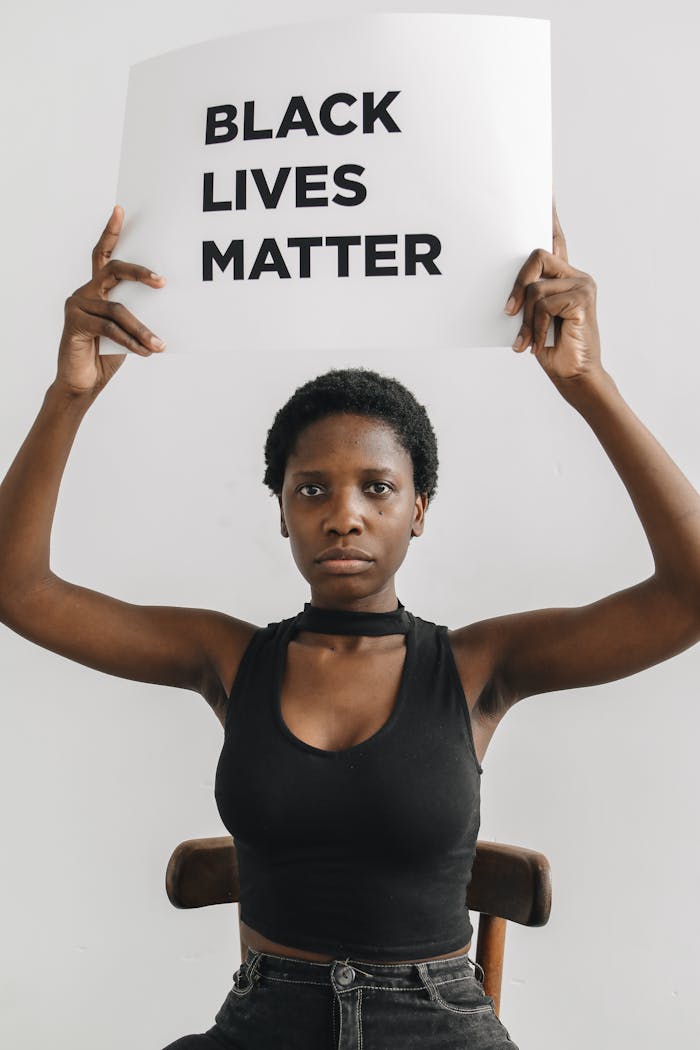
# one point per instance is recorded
(163, 503)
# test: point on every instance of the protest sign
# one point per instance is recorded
(352, 183)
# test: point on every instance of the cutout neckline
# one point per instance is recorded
(406, 672)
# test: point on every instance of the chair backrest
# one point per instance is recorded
(508, 882)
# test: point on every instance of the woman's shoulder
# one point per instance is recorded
(230, 640)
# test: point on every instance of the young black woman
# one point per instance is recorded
(351, 496)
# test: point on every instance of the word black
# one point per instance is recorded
(221, 126)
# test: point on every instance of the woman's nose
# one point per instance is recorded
(344, 514)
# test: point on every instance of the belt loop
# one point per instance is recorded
(253, 974)
(425, 977)
(476, 966)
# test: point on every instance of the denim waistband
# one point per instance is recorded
(396, 975)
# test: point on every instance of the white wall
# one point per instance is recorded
(163, 503)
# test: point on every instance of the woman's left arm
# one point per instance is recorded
(625, 632)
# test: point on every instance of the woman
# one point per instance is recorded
(354, 731)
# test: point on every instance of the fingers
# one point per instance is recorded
(545, 310)
(558, 239)
(110, 271)
(115, 271)
(98, 317)
(102, 251)
(535, 315)
(539, 264)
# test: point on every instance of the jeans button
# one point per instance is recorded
(345, 975)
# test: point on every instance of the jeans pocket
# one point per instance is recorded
(462, 994)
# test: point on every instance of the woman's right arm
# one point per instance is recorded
(195, 649)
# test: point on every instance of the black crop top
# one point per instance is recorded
(365, 852)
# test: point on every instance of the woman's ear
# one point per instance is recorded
(419, 510)
(283, 524)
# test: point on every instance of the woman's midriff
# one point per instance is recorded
(252, 939)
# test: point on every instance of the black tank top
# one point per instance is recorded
(364, 852)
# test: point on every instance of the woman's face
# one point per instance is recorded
(349, 484)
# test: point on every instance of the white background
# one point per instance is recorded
(162, 502)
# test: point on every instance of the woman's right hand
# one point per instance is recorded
(90, 314)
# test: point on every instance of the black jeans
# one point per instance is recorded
(280, 1003)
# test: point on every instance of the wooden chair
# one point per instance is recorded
(508, 882)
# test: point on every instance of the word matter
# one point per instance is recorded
(269, 258)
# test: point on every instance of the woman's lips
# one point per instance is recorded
(344, 560)
(337, 553)
(344, 566)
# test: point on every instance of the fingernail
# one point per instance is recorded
(158, 343)
(510, 305)
(518, 343)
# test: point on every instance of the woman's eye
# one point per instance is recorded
(382, 485)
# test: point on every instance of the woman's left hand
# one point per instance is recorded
(548, 287)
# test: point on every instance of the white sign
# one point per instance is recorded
(353, 183)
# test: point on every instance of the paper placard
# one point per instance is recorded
(352, 183)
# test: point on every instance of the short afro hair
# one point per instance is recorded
(363, 392)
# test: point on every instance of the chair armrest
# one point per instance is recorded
(511, 882)
(201, 872)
